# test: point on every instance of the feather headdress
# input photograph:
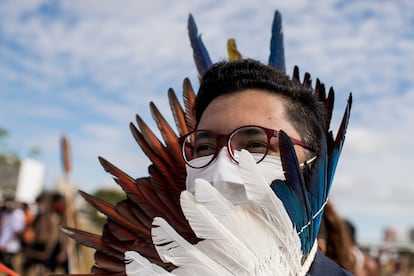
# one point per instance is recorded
(159, 228)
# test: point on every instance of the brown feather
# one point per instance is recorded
(168, 134)
(156, 146)
(98, 271)
(127, 183)
(172, 193)
(124, 209)
(106, 263)
(115, 236)
(91, 240)
(109, 210)
(159, 206)
(137, 210)
(163, 167)
(129, 222)
(111, 235)
(177, 112)
(115, 171)
(189, 103)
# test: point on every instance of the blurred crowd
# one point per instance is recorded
(337, 239)
(31, 242)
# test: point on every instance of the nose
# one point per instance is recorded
(224, 166)
(223, 156)
(223, 142)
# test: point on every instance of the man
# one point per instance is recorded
(11, 227)
(234, 95)
(244, 108)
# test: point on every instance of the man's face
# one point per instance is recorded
(250, 107)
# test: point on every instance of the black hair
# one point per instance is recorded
(303, 110)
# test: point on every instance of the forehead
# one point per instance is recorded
(249, 107)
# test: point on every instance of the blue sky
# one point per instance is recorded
(86, 68)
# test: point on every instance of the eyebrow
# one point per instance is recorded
(203, 134)
(251, 131)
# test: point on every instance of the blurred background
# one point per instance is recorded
(81, 70)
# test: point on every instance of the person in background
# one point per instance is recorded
(60, 254)
(333, 238)
(12, 224)
(40, 254)
(337, 240)
(364, 265)
(29, 218)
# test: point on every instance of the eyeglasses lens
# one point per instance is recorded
(202, 145)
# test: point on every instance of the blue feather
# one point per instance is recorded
(277, 50)
(335, 147)
(315, 176)
(293, 206)
(294, 194)
(305, 192)
(200, 53)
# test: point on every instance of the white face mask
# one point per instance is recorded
(223, 173)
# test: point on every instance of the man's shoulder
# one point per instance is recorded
(322, 265)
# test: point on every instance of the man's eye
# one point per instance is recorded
(256, 146)
(204, 150)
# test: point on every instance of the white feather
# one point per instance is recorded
(259, 191)
(136, 265)
(211, 198)
(255, 238)
(259, 237)
(240, 222)
(220, 244)
(272, 209)
(171, 247)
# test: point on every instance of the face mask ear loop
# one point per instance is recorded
(308, 162)
(314, 216)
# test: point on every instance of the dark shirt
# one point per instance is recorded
(322, 265)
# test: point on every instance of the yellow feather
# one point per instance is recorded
(232, 51)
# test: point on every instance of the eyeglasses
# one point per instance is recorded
(206, 144)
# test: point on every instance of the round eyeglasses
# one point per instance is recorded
(204, 145)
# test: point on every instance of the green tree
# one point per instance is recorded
(7, 156)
